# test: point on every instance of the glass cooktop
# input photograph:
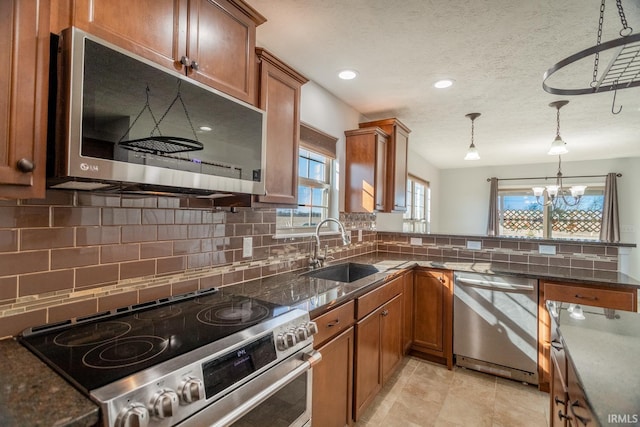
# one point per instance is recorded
(97, 352)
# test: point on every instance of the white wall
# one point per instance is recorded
(323, 111)
(464, 202)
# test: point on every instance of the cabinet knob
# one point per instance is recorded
(185, 61)
(194, 65)
(384, 313)
(25, 165)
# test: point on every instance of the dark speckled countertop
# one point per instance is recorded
(32, 394)
(604, 348)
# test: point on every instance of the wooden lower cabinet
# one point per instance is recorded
(433, 315)
(379, 337)
(616, 297)
(333, 382)
(407, 295)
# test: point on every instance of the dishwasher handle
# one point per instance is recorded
(490, 284)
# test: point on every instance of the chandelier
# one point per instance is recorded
(472, 152)
(558, 192)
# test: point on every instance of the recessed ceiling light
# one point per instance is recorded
(348, 74)
(443, 84)
(205, 128)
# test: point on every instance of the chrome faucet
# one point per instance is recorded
(317, 260)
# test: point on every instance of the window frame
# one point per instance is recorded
(410, 221)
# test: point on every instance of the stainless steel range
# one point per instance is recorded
(196, 360)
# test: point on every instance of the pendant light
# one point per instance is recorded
(558, 146)
(472, 152)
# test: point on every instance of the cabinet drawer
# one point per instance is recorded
(608, 298)
(374, 299)
(333, 322)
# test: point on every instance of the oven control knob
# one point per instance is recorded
(290, 339)
(134, 415)
(281, 342)
(165, 403)
(312, 328)
(301, 333)
(192, 390)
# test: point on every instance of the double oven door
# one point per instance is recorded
(281, 396)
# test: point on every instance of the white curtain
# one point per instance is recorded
(493, 222)
(610, 228)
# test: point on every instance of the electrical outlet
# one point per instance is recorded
(474, 244)
(547, 249)
(247, 247)
(416, 241)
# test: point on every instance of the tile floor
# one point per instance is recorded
(426, 394)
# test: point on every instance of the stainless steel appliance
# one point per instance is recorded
(125, 123)
(495, 325)
(202, 359)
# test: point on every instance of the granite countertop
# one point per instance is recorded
(604, 349)
(34, 395)
(297, 290)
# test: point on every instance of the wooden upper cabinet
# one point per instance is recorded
(212, 41)
(366, 168)
(279, 89)
(24, 37)
(397, 151)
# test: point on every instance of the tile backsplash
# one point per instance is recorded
(76, 254)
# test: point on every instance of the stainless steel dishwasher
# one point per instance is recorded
(495, 325)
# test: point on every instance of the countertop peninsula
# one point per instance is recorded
(603, 347)
(50, 400)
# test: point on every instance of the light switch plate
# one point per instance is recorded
(474, 244)
(359, 235)
(416, 241)
(547, 249)
(247, 247)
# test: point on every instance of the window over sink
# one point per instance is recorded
(522, 215)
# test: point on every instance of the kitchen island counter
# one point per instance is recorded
(603, 346)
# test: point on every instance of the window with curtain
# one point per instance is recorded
(521, 215)
(417, 217)
(316, 176)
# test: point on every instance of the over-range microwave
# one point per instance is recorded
(120, 122)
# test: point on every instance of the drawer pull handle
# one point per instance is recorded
(558, 401)
(334, 323)
(586, 297)
(556, 344)
(561, 415)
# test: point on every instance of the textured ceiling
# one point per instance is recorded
(496, 51)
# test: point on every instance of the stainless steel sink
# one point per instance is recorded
(347, 272)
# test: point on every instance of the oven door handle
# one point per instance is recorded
(311, 358)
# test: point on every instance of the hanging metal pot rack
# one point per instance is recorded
(622, 72)
(156, 143)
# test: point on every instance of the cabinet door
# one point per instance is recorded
(407, 296)
(558, 399)
(433, 314)
(367, 366)
(365, 171)
(391, 337)
(222, 41)
(24, 37)
(333, 382)
(154, 29)
(280, 98)
(429, 303)
(399, 184)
